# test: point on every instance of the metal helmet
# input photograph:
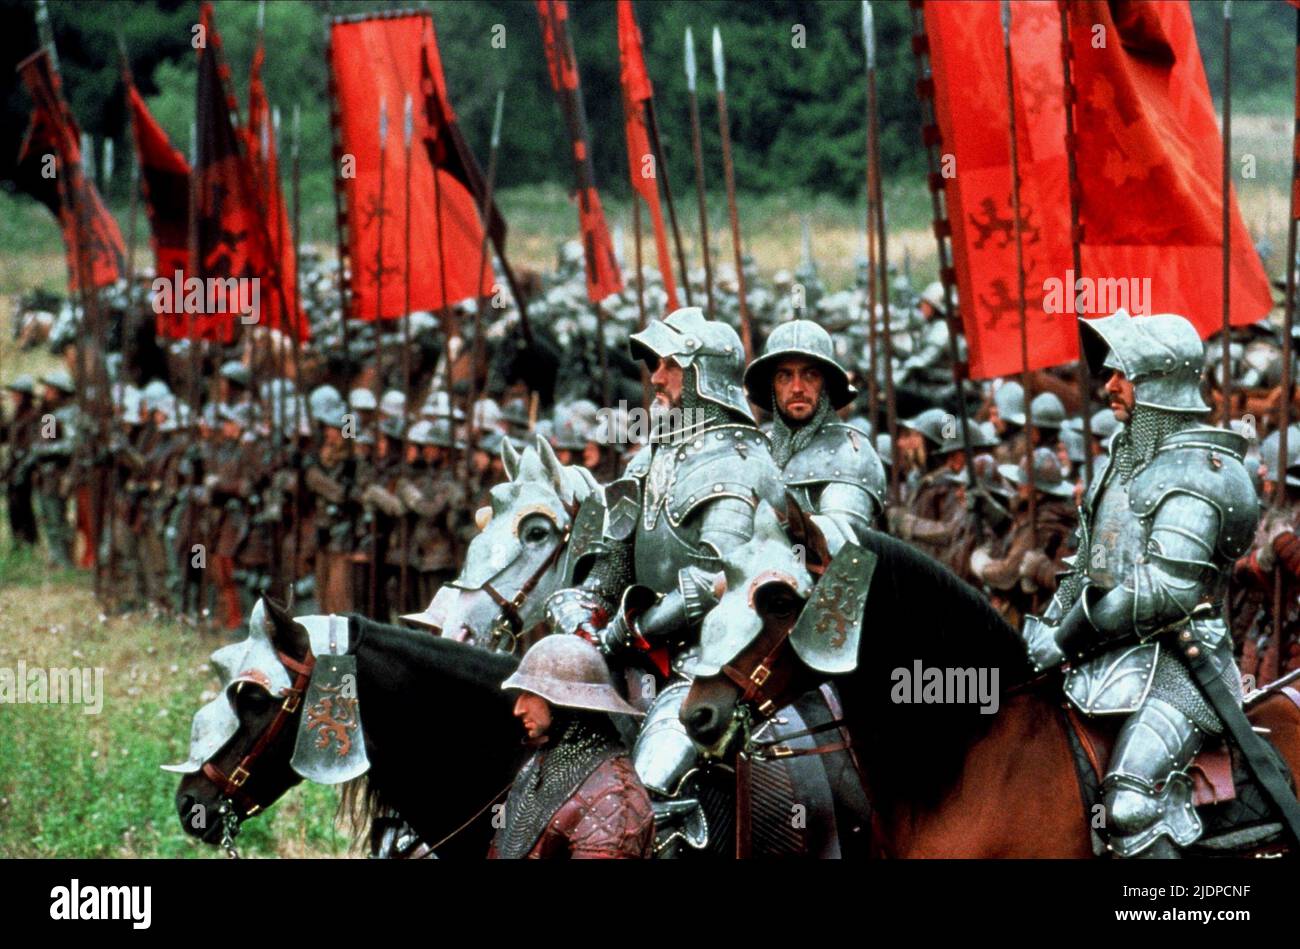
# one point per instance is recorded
(569, 672)
(23, 384)
(1162, 356)
(569, 435)
(393, 403)
(1010, 400)
(1268, 452)
(1072, 439)
(933, 295)
(710, 346)
(1048, 410)
(806, 339)
(236, 372)
(421, 433)
(362, 400)
(1047, 476)
(61, 380)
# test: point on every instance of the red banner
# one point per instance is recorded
(603, 277)
(384, 60)
(1149, 167)
(93, 246)
(229, 279)
(165, 181)
(281, 305)
(642, 166)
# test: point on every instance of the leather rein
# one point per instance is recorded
(232, 785)
(510, 608)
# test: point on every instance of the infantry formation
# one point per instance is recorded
(318, 482)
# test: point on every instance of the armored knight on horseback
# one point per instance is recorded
(1139, 618)
(830, 468)
(645, 581)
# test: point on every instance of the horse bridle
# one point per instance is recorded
(510, 608)
(756, 692)
(231, 786)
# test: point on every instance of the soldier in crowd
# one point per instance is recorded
(19, 432)
(51, 463)
(1268, 643)
(1020, 571)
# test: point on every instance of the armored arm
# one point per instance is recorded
(845, 512)
(318, 482)
(1162, 588)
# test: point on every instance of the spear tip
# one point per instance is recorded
(496, 117)
(869, 33)
(719, 67)
(690, 61)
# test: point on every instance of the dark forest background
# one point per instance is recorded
(797, 113)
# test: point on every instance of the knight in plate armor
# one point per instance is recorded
(685, 499)
(577, 796)
(645, 580)
(831, 468)
(1139, 617)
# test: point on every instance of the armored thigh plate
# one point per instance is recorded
(1115, 683)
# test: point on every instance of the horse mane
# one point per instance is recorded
(407, 658)
(918, 609)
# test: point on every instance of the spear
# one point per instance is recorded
(1076, 253)
(1020, 278)
(477, 362)
(297, 346)
(882, 274)
(378, 382)
(407, 128)
(805, 254)
(873, 367)
(652, 126)
(724, 128)
(697, 151)
(1227, 218)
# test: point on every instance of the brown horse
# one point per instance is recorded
(944, 779)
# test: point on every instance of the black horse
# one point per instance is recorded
(439, 733)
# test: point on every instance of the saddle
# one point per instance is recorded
(1236, 815)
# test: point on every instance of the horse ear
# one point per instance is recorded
(509, 459)
(804, 530)
(284, 632)
(554, 470)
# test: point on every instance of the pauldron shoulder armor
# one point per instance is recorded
(1205, 463)
(728, 461)
(838, 454)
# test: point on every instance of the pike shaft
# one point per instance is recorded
(697, 151)
(1076, 250)
(724, 128)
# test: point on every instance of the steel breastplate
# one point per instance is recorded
(662, 551)
(1117, 537)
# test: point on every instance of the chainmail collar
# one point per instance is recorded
(1136, 444)
(788, 440)
(552, 775)
(693, 416)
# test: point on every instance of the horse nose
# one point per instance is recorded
(702, 723)
(185, 805)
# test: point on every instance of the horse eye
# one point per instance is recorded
(251, 699)
(535, 530)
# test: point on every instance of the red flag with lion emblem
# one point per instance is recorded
(1148, 164)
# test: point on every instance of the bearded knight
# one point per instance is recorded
(1139, 619)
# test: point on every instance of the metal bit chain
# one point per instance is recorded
(229, 828)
